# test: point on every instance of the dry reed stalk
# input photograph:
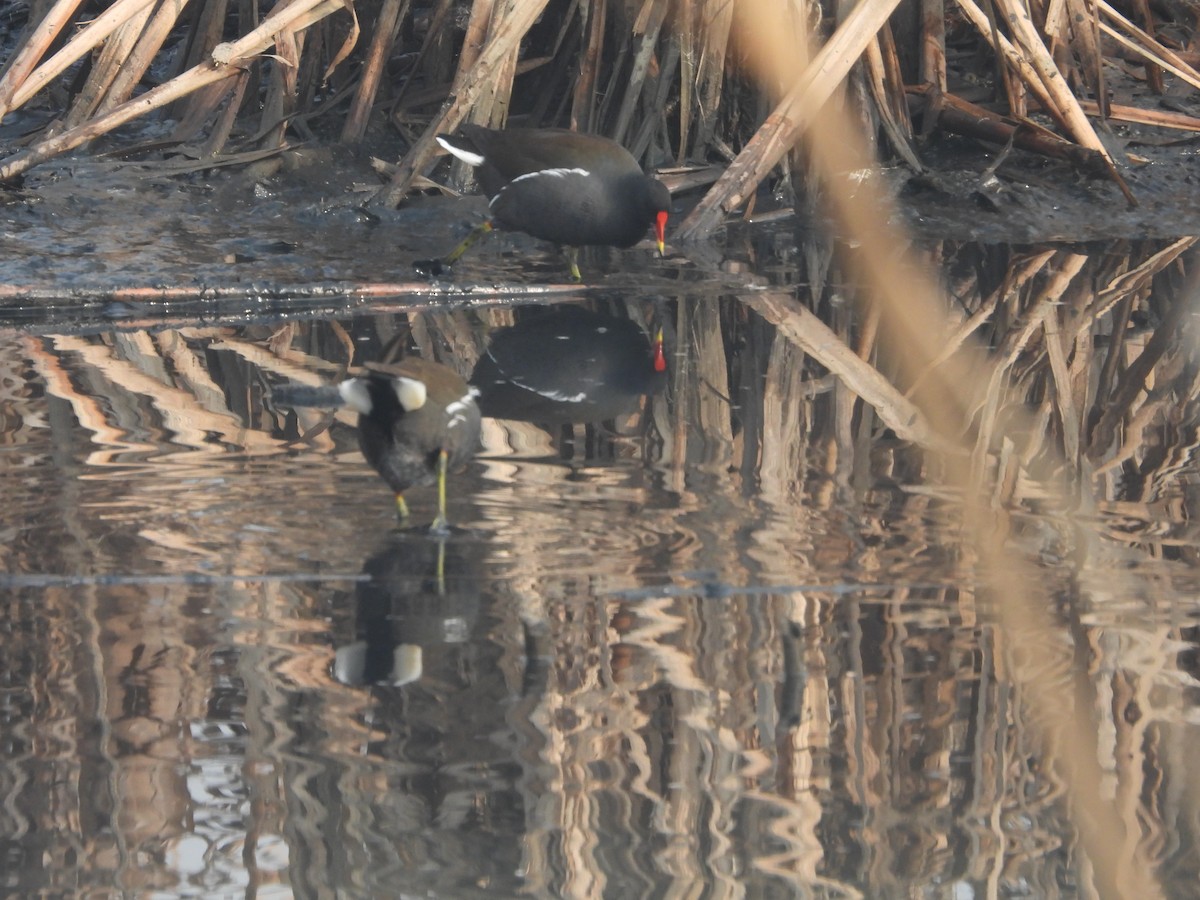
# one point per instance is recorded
(802, 327)
(1145, 45)
(387, 28)
(469, 85)
(1085, 29)
(782, 457)
(1183, 72)
(1135, 280)
(962, 117)
(436, 21)
(232, 95)
(1011, 59)
(893, 117)
(645, 31)
(583, 99)
(659, 104)
(933, 45)
(683, 34)
(715, 22)
(204, 32)
(484, 14)
(708, 419)
(1161, 118)
(1154, 75)
(492, 107)
(226, 63)
(955, 341)
(17, 69)
(1134, 380)
(280, 102)
(107, 66)
(142, 55)
(1064, 101)
(1017, 338)
(82, 43)
(912, 313)
(790, 118)
(1064, 390)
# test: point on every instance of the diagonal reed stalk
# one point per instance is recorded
(912, 325)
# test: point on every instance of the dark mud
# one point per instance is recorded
(298, 225)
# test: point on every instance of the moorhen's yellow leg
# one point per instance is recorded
(441, 567)
(440, 524)
(572, 254)
(476, 233)
(401, 507)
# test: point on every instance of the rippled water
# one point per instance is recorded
(731, 644)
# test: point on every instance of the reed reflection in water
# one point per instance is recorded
(732, 640)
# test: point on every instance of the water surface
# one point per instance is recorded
(732, 643)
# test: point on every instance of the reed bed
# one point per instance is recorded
(679, 82)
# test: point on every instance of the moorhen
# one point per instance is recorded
(416, 419)
(569, 365)
(572, 189)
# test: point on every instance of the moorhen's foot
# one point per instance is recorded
(432, 268)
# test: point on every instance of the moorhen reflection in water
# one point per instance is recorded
(568, 365)
(421, 593)
(572, 189)
(416, 420)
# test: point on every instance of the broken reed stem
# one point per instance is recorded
(106, 66)
(803, 328)
(1132, 381)
(467, 88)
(790, 118)
(387, 27)
(139, 60)
(955, 341)
(583, 98)
(18, 68)
(227, 59)
(83, 42)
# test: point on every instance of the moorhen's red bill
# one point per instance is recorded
(568, 365)
(415, 419)
(573, 189)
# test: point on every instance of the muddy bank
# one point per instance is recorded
(82, 226)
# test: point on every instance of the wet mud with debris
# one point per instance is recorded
(83, 226)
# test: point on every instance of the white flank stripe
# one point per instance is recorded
(553, 173)
(564, 398)
(471, 159)
(354, 392)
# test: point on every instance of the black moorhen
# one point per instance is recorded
(416, 419)
(569, 365)
(572, 189)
